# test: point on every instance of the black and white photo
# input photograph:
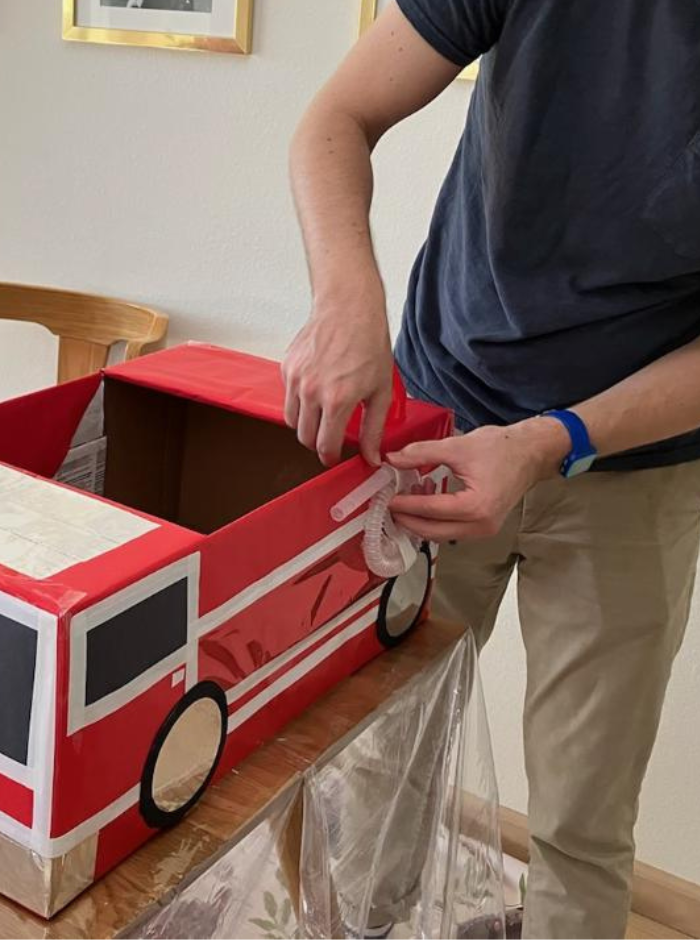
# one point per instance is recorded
(205, 25)
(173, 6)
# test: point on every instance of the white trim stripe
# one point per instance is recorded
(15, 830)
(45, 722)
(16, 772)
(81, 715)
(44, 625)
(54, 848)
(193, 582)
(300, 670)
(255, 678)
(278, 576)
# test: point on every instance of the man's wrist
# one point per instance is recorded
(361, 306)
(348, 284)
(547, 443)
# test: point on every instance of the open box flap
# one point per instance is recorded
(36, 430)
(253, 386)
(222, 377)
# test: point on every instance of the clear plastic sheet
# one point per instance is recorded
(248, 891)
(400, 827)
(394, 833)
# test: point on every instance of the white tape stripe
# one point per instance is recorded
(15, 830)
(18, 773)
(54, 848)
(81, 715)
(300, 670)
(193, 582)
(255, 678)
(41, 723)
(45, 720)
(96, 711)
(278, 576)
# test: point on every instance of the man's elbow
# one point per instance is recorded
(328, 124)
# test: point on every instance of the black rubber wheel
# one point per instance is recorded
(404, 599)
(153, 814)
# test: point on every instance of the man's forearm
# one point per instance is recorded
(498, 465)
(342, 355)
(391, 73)
(332, 181)
(658, 402)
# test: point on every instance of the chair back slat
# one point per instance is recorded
(87, 325)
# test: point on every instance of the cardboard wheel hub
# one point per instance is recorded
(184, 756)
(404, 600)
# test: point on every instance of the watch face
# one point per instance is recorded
(581, 465)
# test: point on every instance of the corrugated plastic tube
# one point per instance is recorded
(363, 493)
(380, 544)
(388, 550)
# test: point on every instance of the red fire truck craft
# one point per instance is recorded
(173, 590)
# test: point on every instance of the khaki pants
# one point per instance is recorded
(606, 565)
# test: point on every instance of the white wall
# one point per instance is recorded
(161, 177)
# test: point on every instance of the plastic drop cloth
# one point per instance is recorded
(393, 833)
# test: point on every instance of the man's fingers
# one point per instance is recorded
(448, 507)
(308, 424)
(291, 407)
(331, 434)
(421, 454)
(435, 531)
(372, 431)
(291, 395)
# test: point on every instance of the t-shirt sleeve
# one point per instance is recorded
(460, 30)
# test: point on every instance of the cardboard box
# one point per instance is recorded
(164, 620)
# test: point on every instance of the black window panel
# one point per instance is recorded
(17, 669)
(122, 648)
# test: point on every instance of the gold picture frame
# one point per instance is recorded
(368, 14)
(239, 43)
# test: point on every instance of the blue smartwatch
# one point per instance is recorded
(582, 454)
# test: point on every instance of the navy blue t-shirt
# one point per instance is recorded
(564, 253)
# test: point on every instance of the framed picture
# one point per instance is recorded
(204, 25)
(368, 14)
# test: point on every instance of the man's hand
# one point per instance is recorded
(496, 466)
(340, 358)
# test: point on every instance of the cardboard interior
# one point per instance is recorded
(194, 464)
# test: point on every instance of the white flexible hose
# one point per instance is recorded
(389, 551)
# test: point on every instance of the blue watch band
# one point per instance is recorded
(583, 453)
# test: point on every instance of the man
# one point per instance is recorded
(561, 271)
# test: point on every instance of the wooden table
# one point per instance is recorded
(238, 802)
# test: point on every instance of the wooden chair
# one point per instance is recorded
(86, 325)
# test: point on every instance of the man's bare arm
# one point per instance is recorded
(499, 465)
(343, 354)
(656, 403)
